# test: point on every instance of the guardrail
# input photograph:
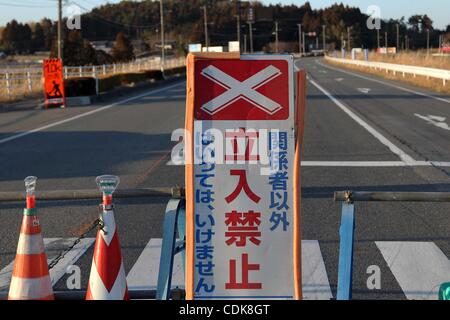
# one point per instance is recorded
(441, 74)
(63, 195)
(18, 81)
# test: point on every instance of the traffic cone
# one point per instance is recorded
(107, 280)
(30, 278)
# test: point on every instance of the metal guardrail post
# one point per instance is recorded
(168, 249)
(346, 234)
(8, 84)
(29, 82)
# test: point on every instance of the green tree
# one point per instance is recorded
(122, 50)
(76, 50)
(38, 38)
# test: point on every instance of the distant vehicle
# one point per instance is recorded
(2, 55)
(446, 48)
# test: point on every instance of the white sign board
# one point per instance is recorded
(243, 199)
(195, 47)
(233, 46)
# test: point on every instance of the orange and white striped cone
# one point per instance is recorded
(107, 280)
(30, 278)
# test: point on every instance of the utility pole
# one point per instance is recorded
(299, 38)
(250, 26)
(398, 37)
(386, 39)
(428, 41)
(349, 39)
(205, 18)
(245, 43)
(304, 42)
(238, 15)
(59, 29)
(276, 36)
(163, 44)
(324, 38)
(378, 38)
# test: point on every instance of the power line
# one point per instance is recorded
(4, 4)
(101, 18)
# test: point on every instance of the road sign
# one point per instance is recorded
(54, 82)
(195, 47)
(233, 46)
(244, 131)
(242, 90)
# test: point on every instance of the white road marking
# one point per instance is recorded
(144, 274)
(363, 164)
(51, 125)
(419, 267)
(435, 121)
(364, 90)
(394, 149)
(339, 79)
(314, 275)
(52, 248)
(386, 83)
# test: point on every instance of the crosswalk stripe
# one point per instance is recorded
(52, 248)
(314, 275)
(144, 273)
(419, 267)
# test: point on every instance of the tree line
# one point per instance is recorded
(184, 23)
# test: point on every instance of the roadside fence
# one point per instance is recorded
(441, 74)
(19, 81)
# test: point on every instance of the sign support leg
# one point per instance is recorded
(168, 250)
(346, 233)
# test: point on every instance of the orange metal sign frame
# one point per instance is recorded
(189, 170)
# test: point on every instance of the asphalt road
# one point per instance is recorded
(362, 133)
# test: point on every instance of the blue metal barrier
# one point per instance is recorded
(346, 233)
(174, 220)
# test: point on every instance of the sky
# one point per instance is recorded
(438, 10)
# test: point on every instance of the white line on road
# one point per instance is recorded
(52, 248)
(26, 133)
(363, 164)
(396, 150)
(314, 275)
(364, 90)
(419, 267)
(144, 274)
(435, 121)
(386, 83)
